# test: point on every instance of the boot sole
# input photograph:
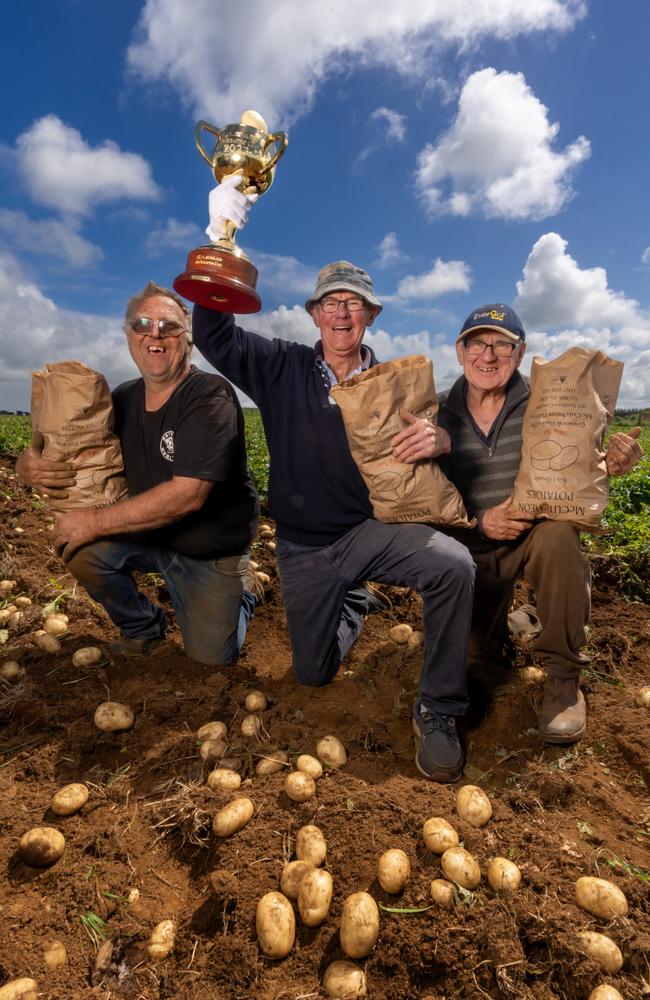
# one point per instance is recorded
(555, 739)
(442, 777)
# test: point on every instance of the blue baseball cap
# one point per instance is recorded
(494, 316)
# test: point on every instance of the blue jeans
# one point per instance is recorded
(325, 603)
(212, 608)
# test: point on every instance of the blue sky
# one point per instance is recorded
(462, 152)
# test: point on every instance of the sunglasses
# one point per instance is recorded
(166, 327)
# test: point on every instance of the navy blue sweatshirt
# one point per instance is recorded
(316, 492)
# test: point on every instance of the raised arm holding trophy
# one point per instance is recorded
(219, 275)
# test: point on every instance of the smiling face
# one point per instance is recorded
(162, 361)
(342, 331)
(486, 372)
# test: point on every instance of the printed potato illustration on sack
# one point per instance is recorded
(563, 476)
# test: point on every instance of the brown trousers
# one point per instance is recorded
(550, 559)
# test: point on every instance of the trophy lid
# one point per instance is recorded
(254, 120)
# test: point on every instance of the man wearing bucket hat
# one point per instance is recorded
(483, 413)
(328, 542)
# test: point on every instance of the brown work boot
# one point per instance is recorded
(562, 715)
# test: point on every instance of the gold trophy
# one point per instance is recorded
(219, 275)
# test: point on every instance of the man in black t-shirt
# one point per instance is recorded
(192, 508)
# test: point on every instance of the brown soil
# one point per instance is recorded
(559, 812)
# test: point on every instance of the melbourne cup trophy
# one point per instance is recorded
(220, 275)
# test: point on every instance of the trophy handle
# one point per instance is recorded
(200, 126)
(283, 139)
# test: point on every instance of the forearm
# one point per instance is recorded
(153, 509)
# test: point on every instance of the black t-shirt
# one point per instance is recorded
(197, 433)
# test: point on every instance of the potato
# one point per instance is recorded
(533, 675)
(87, 656)
(299, 786)
(264, 579)
(439, 835)
(251, 725)
(292, 875)
(331, 751)
(266, 531)
(359, 925)
(5, 615)
(642, 698)
(311, 845)
(211, 750)
(213, 731)
(600, 898)
(224, 779)
(233, 817)
(602, 949)
(473, 805)
(271, 546)
(15, 619)
(443, 893)
(271, 763)
(393, 870)
(415, 640)
(400, 634)
(41, 846)
(69, 799)
(23, 602)
(275, 924)
(310, 765)
(19, 989)
(458, 865)
(605, 992)
(161, 941)
(6, 587)
(55, 955)
(503, 875)
(55, 625)
(133, 897)
(255, 701)
(10, 670)
(48, 643)
(344, 981)
(315, 896)
(113, 717)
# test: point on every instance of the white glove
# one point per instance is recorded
(227, 204)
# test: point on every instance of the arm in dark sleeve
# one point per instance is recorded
(250, 361)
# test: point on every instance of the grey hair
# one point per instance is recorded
(148, 292)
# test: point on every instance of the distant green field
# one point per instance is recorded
(627, 518)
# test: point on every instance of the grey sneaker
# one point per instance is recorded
(131, 647)
(439, 755)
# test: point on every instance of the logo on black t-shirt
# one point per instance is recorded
(167, 446)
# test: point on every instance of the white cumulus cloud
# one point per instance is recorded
(444, 276)
(389, 252)
(563, 305)
(55, 238)
(36, 332)
(223, 58)
(61, 170)
(498, 157)
(173, 235)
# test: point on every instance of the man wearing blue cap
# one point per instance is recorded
(483, 413)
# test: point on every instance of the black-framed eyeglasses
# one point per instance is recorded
(166, 327)
(331, 304)
(501, 348)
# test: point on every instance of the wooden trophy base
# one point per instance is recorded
(218, 279)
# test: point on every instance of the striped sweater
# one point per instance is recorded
(483, 475)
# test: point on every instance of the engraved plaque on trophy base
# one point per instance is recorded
(218, 279)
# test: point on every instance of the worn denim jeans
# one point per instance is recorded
(325, 603)
(212, 608)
